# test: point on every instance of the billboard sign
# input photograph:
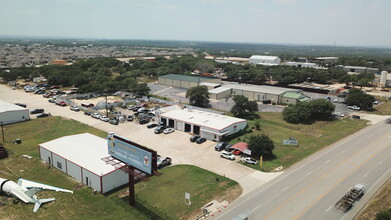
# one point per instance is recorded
(130, 153)
(290, 141)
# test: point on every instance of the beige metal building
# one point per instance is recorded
(220, 93)
(185, 81)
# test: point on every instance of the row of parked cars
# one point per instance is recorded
(40, 113)
(229, 153)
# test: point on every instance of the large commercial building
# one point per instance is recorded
(186, 81)
(10, 113)
(265, 60)
(360, 69)
(80, 156)
(208, 125)
(276, 95)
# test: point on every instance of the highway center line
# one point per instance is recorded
(284, 189)
(328, 209)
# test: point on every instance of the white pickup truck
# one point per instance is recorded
(347, 201)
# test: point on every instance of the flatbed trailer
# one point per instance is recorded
(347, 201)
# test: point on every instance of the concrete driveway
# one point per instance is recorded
(175, 145)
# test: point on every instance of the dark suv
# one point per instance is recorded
(36, 111)
(159, 129)
(220, 146)
(194, 138)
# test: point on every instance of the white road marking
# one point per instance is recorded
(366, 174)
(327, 161)
(257, 207)
(328, 209)
(308, 173)
(342, 152)
(380, 162)
(155, 93)
(284, 189)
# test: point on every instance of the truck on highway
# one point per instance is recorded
(347, 201)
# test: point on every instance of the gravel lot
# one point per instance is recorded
(175, 145)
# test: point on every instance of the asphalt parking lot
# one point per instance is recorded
(175, 145)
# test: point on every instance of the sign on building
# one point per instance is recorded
(130, 153)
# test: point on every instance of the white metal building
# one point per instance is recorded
(80, 156)
(265, 60)
(208, 125)
(220, 93)
(11, 113)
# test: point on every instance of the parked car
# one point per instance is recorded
(21, 105)
(36, 111)
(339, 114)
(168, 130)
(52, 100)
(248, 160)
(130, 118)
(220, 146)
(388, 120)
(95, 115)
(62, 104)
(200, 140)
(163, 161)
(237, 152)
(227, 155)
(143, 121)
(87, 105)
(228, 147)
(74, 108)
(159, 129)
(114, 121)
(43, 115)
(354, 107)
(104, 118)
(194, 138)
(151, 125)
(87, 113)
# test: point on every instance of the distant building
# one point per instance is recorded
(186, 81)
(326, 60)
(360, 69)
(300, 64)
(385, 79)
(59, 62)
(11, 113)
(265, 60)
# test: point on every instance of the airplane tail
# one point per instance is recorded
(40, 202)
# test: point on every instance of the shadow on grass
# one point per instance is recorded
(143, 210)
(269, 157)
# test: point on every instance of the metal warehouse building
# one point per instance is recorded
(186, 81)
(10, 113)
(80, 156)
(208, 125)
(265, 60)
(278, 95)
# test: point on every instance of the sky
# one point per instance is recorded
(307, 22)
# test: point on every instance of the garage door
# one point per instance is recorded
(179, 125)
(208, 135)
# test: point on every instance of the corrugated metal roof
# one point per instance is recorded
(263, 57)
(85, 150)
(185, 78)
(261, 89)
(219, 89)
(205, 119)
(6, 106)
(293, 95)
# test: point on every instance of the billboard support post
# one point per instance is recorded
(132, 201)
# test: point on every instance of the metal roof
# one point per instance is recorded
(219, 89)
(263, 57)
(85, 150)
(6, 106)
(293, 95)
(202, 118)
(185, 78)
(261, 89)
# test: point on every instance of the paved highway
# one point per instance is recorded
(310, 189)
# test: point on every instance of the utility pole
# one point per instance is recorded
(2, 131)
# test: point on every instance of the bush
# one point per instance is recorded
(384, 215)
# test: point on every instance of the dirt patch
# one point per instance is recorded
(380, 202)
(229, 195)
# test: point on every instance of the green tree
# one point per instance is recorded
(198, 96)
(321, 109)
(305, 112)
(359, 98)
(260, 145)
(384, 215)
(142, 89)
(243, 107)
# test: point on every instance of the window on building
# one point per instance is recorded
(59, 165)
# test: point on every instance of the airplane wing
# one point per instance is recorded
(21, 197)
(27, 184)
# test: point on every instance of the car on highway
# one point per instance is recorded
(36, 111)
(43, 115)
(200, 140)
(163, 161)
(227, 155)
(104, 118)
(95, 115)
(248, 160)
(168, 130)
(194, 138)
(152, 125)
(220, 146)
(74, 108)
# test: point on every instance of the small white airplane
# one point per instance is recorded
(25, 190)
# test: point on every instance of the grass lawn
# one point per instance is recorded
(311, 137)
(383, 109)
(165, 192)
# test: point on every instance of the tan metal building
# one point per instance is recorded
(185, 81)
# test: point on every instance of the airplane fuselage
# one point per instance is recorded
(9, 186)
